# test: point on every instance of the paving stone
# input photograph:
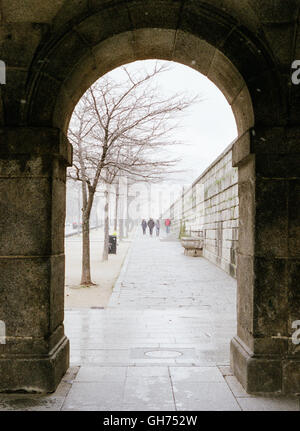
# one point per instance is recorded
(101, 374)
(145, 391)
(95, 396)
(136, 407)
(203, 396)
(148, 371)
(269, 403)
(31, 403)
(196, 374)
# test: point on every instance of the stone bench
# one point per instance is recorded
(193, 246)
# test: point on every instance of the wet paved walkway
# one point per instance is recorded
(162, 343)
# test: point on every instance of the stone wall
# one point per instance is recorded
(211, 204)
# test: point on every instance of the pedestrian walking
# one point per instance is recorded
(167, 224)
(144, 226)
(151, 225)
(157, 227)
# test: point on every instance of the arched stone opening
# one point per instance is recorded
(241, 65)
(120, 49)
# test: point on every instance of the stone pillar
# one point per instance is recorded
(32, 215)
(263, 355)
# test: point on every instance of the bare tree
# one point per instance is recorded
(121, 128)
(79, 136)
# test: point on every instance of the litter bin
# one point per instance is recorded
(112, 244)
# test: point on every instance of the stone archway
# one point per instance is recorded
(225, 46)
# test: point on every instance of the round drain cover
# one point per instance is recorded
(163, 354)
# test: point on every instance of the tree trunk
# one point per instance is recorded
(106, 226)
(87, 203)
(127, 211)
(116, 208)
(86, 263)
(121, 229)
(79, 213)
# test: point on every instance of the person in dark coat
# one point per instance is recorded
(151, 225)
(144, 226)
(157, 227)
